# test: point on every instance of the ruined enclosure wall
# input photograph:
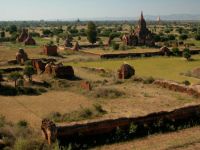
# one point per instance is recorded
(90, 130)
(137, 55)
(178, 87)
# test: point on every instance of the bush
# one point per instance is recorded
(171, 37)
(186, 82)
(197, 37)
(99, 108)
(176, 51)
(55, 116)
(86, 113)
(2, 121)
(183, 36)
(187, 53)
(22, 123)
(28, 144)
(8, 90)
(148, 80)
(115, 46)
(108, 93)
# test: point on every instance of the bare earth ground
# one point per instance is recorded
(34, 108)
(187, 139)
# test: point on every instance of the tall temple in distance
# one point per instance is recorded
(141, 37)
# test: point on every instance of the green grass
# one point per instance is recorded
(133, 50)
(157, 67)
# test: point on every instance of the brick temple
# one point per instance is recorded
(141, 37)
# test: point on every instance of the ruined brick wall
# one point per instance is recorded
(86, 85)
(178, 87)
(50, 50)
(85, 130)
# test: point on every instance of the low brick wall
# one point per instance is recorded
(92, 130)
(137, 55)
(134, 55)
(190, 90)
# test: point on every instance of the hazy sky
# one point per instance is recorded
(65, 9)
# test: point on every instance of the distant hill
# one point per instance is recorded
(175, 17)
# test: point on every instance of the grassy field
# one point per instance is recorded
(133, 50)
(169, 68)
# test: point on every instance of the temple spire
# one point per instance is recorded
(142, 17)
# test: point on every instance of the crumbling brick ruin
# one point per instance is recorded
(50, 50)
(49, 131)
(50, 68)
(86, 85)
(21, 56)
(63, 72)
(76, 47)
(68, 43)
(178, 87)
(165, 51)
(26, 38)
(39, 65)
(29, 41)
(23, 36)
(126, 71)
(141, 36)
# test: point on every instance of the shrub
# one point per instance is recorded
(148, 80)
(2, 121)
(86, 113)
(183, 36)
(108, 93)
(55, 116)
(187, 53)
(115, 46)
(186, 82)
(27, 91)
(8, 90)
(99, 108)
(28, 144)
(197, 37)
(176, 51)
(29, 71)
(22, 123)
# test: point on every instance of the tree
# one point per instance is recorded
(183, 36)
(14, 76)
(197, 37)
(92, 33)
(187, 53)
(12, 29)
(47, 32)
(29, 71)
(2, 35)
(176, 51)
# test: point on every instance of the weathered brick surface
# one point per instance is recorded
(86, 129)
(86, 85)
(126, 71)
(50, 50)
(178, 87)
